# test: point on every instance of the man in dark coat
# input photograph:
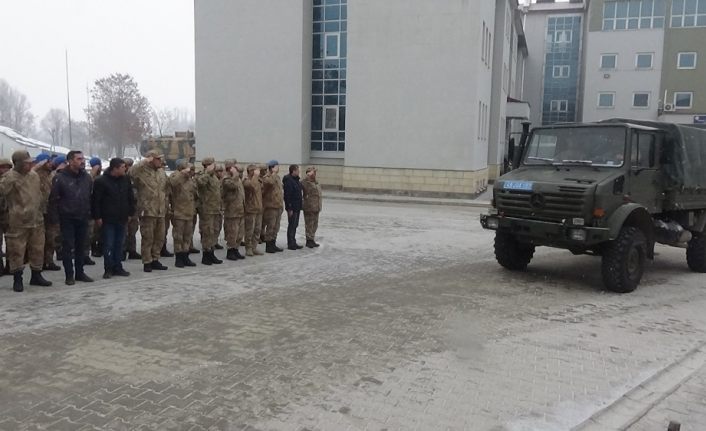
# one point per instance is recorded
(113, 204)
(293, 205)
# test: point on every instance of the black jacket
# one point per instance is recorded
(292, 193)
(70, 196)
(113, 199)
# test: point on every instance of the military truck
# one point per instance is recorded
(612, 189)
(180, 146)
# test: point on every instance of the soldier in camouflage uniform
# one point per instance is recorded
(311, 205)
(93, 246)
(220, 173)
(209, 190)
(151, 184)
(273, 203)
(22, 191)
(133, 224)
(44, 168)
(233, 208)
(167, 221)
(253, 209)
(183, 197)
(259, 228)
(5, 166)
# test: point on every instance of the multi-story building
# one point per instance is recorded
(642, 60)
(406, 96)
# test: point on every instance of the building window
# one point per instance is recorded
(689, 13)
(562, 36)
(686, 60)
(606, 100)
(561, 71)
(328, 76)
(609, 61)
(641, 100)
(644, 61)
(682, 100)
(559, 106)
(633, 14)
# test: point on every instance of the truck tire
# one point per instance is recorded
(696, 253)
(512, 254)
(624, 260)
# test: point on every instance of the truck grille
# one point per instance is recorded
(567, 202)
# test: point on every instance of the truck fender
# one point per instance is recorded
(635, 215)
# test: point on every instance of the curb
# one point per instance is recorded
(411, 200)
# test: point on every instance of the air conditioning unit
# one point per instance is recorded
(668, 107)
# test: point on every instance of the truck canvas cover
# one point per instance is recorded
(683, 155)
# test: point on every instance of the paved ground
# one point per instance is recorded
(400, 321)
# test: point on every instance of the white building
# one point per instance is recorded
(404, 96)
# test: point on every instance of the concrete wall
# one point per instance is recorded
(535, 32)
(414, 83)
(253, 79)
(675, 80)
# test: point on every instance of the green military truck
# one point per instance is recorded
(180, 146)
(611, 189)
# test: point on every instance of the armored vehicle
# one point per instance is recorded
(611, 189)
(181, 146)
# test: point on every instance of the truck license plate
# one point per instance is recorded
(518, 185)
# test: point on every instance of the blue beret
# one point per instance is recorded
(59, 160)
(41, 157)
(272, 163)
(95, 161)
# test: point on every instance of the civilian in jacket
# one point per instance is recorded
(70, 198)
(113, 204)
(293, 205)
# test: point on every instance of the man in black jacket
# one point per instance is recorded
(113, 203)
(293, 205)
(70, 198)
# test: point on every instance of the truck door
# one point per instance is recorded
(645, 181)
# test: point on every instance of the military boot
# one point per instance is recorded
(187, 260)
(17, 286)
(158, 266)
(179, 260)
(277, 249)
(238, 255)
(51, 267)
(311, 244)
(38, 280)
(133, 255)
(270, 247)
(248, 252)
(165, 253)
(194, 251)
(231, 254)
(218, 246)
(214, 259)
(206, 258)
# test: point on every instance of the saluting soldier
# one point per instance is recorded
(220, 173)
(233, 208)
(253, 209)
(183, 199)
(311, 206)
(133, 223)
(44, 168)
(273, 203)
(5, 166)
(209, 189)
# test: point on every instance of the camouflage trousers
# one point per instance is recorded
(241, 231)
(231, 226)
(219, 226)
(271, 221)
(133, 225)
(25, 241)
(311, 224)
(253, 224)
(51, 234)
(168, 220)
(152, 233)
(90, 233)
(208, 226)
(182, 233)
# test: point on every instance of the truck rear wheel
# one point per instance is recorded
(624, 260)
(512, 254)
(696, 253)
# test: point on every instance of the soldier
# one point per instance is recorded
(311, 206)
(93, 241)
(133, 223)
(293, 204)
(44, 168)
(5, 166)
(259, 228)
(220, 173)
(22, 192)
(253, 208)
(209, 190)
(183, 200)
(60, 165)
(151, 184)
(167, 221)
(272, 200)
(192, 249)
(233, 208)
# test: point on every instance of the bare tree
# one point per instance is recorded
(163, 121)
(55, 123)
(119, 115)
(15, 110)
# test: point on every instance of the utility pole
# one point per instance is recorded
(68, 95)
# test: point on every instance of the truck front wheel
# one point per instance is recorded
(512, 254)
(696, 253)
(624, 260)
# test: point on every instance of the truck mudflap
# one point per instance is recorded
(547, 233)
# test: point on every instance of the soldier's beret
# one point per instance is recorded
(21, 156)
(208, 161)
(154, 154)
(310, 169)
(5, 162)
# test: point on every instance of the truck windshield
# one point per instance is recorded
(590, 146)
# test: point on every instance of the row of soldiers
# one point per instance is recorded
(37, 195)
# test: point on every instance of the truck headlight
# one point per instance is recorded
(577, 234)
(492, 222)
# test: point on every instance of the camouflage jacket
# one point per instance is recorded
(22, 193)
(312, 195)
(253, 195)
(183, 196)
(45, 179)
(151, 185)
(272, 193)
(233, 194)
(209, 189)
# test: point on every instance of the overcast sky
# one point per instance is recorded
(153, 40)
